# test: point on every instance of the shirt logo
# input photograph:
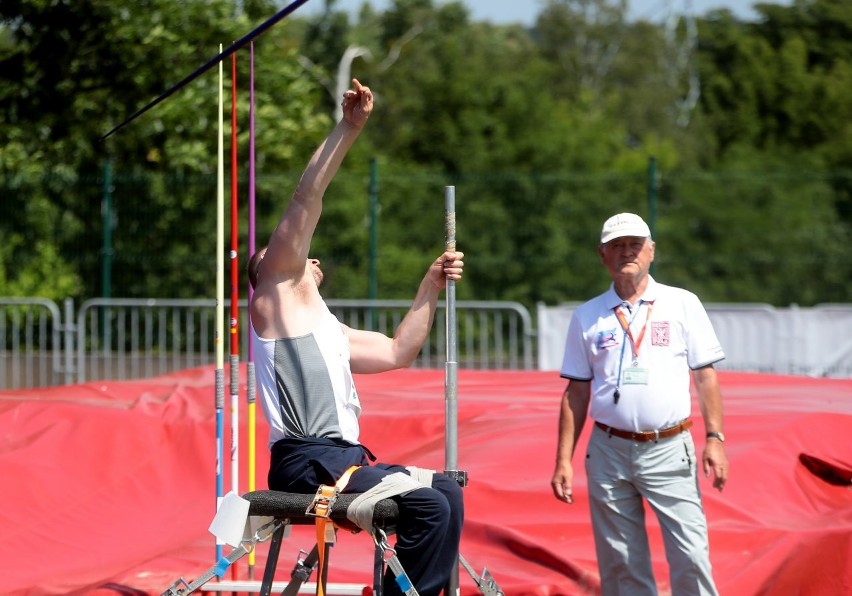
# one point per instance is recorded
(606, 339)
(660, 333)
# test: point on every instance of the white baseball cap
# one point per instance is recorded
(624, 224)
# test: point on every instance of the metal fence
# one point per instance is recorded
(31, 354)
(124, 339)
(814, 341)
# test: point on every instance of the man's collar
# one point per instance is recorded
(612, 299)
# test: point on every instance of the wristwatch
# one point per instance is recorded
(719, 436)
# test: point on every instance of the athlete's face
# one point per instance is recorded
(314, 266)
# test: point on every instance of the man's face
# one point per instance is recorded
(627, 256)
(314, 266)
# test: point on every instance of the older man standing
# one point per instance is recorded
(629, 356)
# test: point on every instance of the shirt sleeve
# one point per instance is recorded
(702, 345)
(575, 362)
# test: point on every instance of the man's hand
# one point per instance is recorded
(448, 266)
(357, 104)
(563, 478)
(716, 461)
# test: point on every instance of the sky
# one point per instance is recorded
(525, 11)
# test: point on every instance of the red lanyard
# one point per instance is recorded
(634, 344)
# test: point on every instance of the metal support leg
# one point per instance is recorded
(272, 561)
(379, 571)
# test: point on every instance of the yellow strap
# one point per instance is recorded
(323, 513)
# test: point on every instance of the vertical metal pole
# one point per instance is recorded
(106, 256)
(272, 561)
(220, 300)
(451, 370)
(69, 332)
(235, 300)
(372, 274)
(251, 389)
(652, 199)
(106, 218)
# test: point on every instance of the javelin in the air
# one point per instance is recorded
(256, 32)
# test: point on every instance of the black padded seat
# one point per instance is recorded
(292, 506)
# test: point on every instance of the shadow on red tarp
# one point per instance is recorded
(109, 487)
(836, 474)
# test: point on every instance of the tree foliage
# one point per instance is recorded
(544, 132)
(79, 68)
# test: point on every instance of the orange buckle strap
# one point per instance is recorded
(320, 508)
(326, 496)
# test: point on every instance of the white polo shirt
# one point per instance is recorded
(653, 385)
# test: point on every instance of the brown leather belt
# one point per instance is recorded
(648, 435)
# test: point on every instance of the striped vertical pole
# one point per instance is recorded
(220, 300)
(250, 380)
(235, 296)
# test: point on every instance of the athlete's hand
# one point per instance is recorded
(357, 104)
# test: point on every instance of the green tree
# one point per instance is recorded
(775, 95)
(75, 70)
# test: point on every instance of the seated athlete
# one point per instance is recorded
(304, 359)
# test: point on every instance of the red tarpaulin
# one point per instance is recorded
(109, 487)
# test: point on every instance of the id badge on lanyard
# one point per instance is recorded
(635, 374)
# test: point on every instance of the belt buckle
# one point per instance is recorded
(323, 502)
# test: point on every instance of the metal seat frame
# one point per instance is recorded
(290, 509)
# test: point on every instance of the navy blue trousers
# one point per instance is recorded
(429, 529)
